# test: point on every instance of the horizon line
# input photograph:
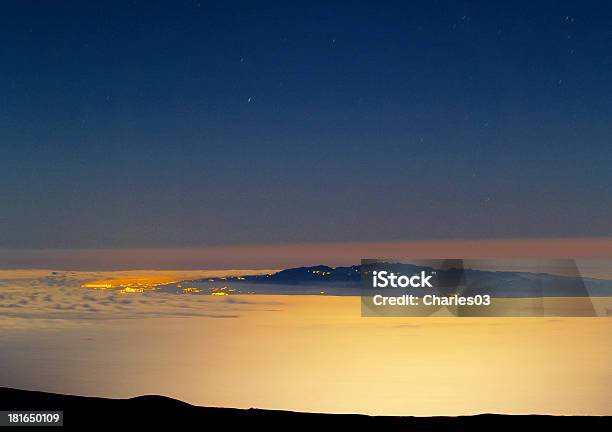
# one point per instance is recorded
(283, 255)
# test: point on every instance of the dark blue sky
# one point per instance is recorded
(130, 124)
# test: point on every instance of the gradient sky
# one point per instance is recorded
(150, 124)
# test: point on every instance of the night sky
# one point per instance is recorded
(174, 124)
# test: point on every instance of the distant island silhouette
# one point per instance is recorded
(158, 411)
(348, 280)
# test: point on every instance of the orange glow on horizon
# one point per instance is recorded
(275, 256)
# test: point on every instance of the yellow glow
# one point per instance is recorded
(146, 279)
(221, 291)
(316, 353)
(130, 290)
(141, 283)
(192, 290)
(97, 285)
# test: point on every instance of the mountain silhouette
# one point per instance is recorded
(348, 280)
(83, 413)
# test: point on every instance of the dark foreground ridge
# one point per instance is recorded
(85, 412)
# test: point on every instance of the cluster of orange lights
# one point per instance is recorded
(140, 285)
(221, 291)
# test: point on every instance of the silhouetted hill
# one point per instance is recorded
(494, 283)
(320, 273)
(82, 413)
